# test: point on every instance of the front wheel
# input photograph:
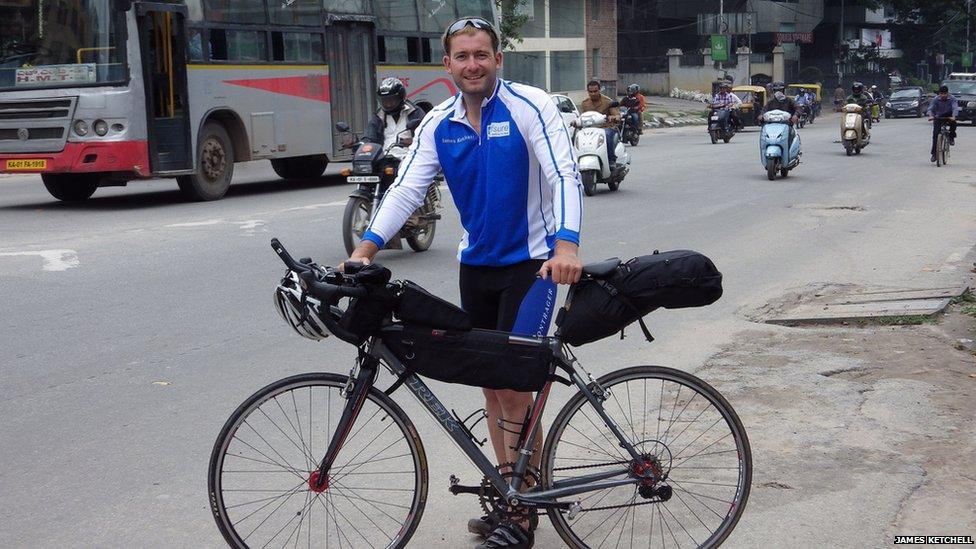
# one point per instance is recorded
(848, 148)
(634, 138)
(688, 437)
(770, 169)
(713, 135)
(589, 182)
(355, 219)
(70, 187)
(265, 460)
(422, 238)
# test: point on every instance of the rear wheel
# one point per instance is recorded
(727, 137)
(613, 184)
(589, 182)
(690, 441)
(71, 187)
(770, 169)
(940, 150)
(634, 139)
(355, 219)
(264, 467)
(215, 165)
(300, 167)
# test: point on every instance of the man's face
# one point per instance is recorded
(944, 95)
(593, 92)
(473, 63)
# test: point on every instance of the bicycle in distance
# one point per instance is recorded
(645, 456)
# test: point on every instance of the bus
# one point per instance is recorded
(97, 93)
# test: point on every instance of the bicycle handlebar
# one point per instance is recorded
(325, 283)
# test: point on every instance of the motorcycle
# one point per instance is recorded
(720, 124)
(591, 151)
(805, 115)
(629, 132)
(776, 150)
(854, 133)
(374, 170)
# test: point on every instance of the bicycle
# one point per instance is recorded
(942, 143)
(642, 453)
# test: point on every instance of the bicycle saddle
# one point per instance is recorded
(602, 269)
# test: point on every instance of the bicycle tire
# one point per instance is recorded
(939, 151)
(664, 378)
(945, 150)
(261, 460)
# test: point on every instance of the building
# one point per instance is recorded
(553, 52)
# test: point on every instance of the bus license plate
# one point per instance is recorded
(363, 179)
(27, 164)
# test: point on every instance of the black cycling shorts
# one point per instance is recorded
(509, 299)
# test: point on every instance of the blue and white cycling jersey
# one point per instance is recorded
(516, 184)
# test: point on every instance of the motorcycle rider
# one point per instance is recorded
(635, 103)
(600, 103)
(725, 98)
(781, 102)
(393, 115)
(860, 97)
(509, 163)
(944, 106)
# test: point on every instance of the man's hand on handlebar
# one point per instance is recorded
(363, 254)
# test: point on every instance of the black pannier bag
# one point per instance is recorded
(418, 307)
(365, 315)
(673, 280)
(482, 358)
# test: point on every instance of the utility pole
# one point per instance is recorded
(840, 48)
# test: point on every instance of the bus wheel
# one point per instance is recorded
(300, 167)
(70, 187)
(215, 165)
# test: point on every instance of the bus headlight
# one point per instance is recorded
(100, 127)
(81, 128)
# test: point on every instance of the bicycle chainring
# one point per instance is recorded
(496, 506)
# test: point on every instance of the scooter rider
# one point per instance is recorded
(781, 102)
(600, 103)
(725, 98)
(862, 98)
(635, 103)
(391, 119)
(943, 110)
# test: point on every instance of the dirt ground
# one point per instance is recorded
(858, 433)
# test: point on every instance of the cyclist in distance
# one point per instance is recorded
(508, 161)
(393, 115)
(943, 110)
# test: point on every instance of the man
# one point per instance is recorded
(635, 103)
(725, 98)
(600, 103)
(943, 110)
(860, 97)
(393, 115)
(804, 100)
(781, 102)
(510, 166)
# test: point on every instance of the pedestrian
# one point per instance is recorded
(509, 163)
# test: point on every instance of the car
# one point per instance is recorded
(907, 101)
(964, 90)
(567, 109)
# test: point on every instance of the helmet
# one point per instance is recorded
(299, 310)
(777, 87)
(392, 94)
(857, 88)
(632, 89)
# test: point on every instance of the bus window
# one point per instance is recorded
(237, 45)
(235, 11)
(396, 15)
(346, 6)
(297, 12)
(392, 49)
(297, 46)
(436, 15)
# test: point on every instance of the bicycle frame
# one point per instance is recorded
(535, 497)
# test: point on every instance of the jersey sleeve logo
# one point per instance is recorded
(498, 129)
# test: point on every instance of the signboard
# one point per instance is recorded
(794, 38)
(967, 59)
(81, 73)
(720, 47)
(876, 38)
(728, 23)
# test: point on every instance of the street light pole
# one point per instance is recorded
(840, 47)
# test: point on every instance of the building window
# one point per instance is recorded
(535, 26)
(474, 8)
(595, 10)
(595, 62)
(396, 15)
(566, 19)
(567, 70)
(527, 67)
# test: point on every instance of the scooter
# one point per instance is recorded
(776, 150)
(854, 133)
(720, 124)
(629, 133)
(591, 151)
(805, 116)
(374, 169)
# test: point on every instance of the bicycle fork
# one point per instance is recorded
(356, 389)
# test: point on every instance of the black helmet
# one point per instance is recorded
(777, 87)
(392, 94)
(857, 88)
(632, 89)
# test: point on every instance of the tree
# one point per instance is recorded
(512, 20)
(925, 27)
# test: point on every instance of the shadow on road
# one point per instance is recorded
(132, 198)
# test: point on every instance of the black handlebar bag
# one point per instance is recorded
(481, 358)
(673, 280)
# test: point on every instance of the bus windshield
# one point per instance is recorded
(60, 43)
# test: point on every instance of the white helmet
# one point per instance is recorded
(298, 309)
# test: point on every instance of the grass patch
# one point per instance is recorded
(966, 297)
(903, 320)
(969, 310)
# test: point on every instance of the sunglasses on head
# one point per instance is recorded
(476, 22)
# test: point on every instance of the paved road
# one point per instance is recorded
(134, 323)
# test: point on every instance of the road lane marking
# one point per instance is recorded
(197, 223)
(316, 206)
(54, 260)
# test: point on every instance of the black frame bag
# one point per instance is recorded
(673, 280)
(418, 307)
(481, 358)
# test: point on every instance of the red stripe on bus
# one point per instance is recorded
(314, 87)
(94, 156)
(447, 82)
